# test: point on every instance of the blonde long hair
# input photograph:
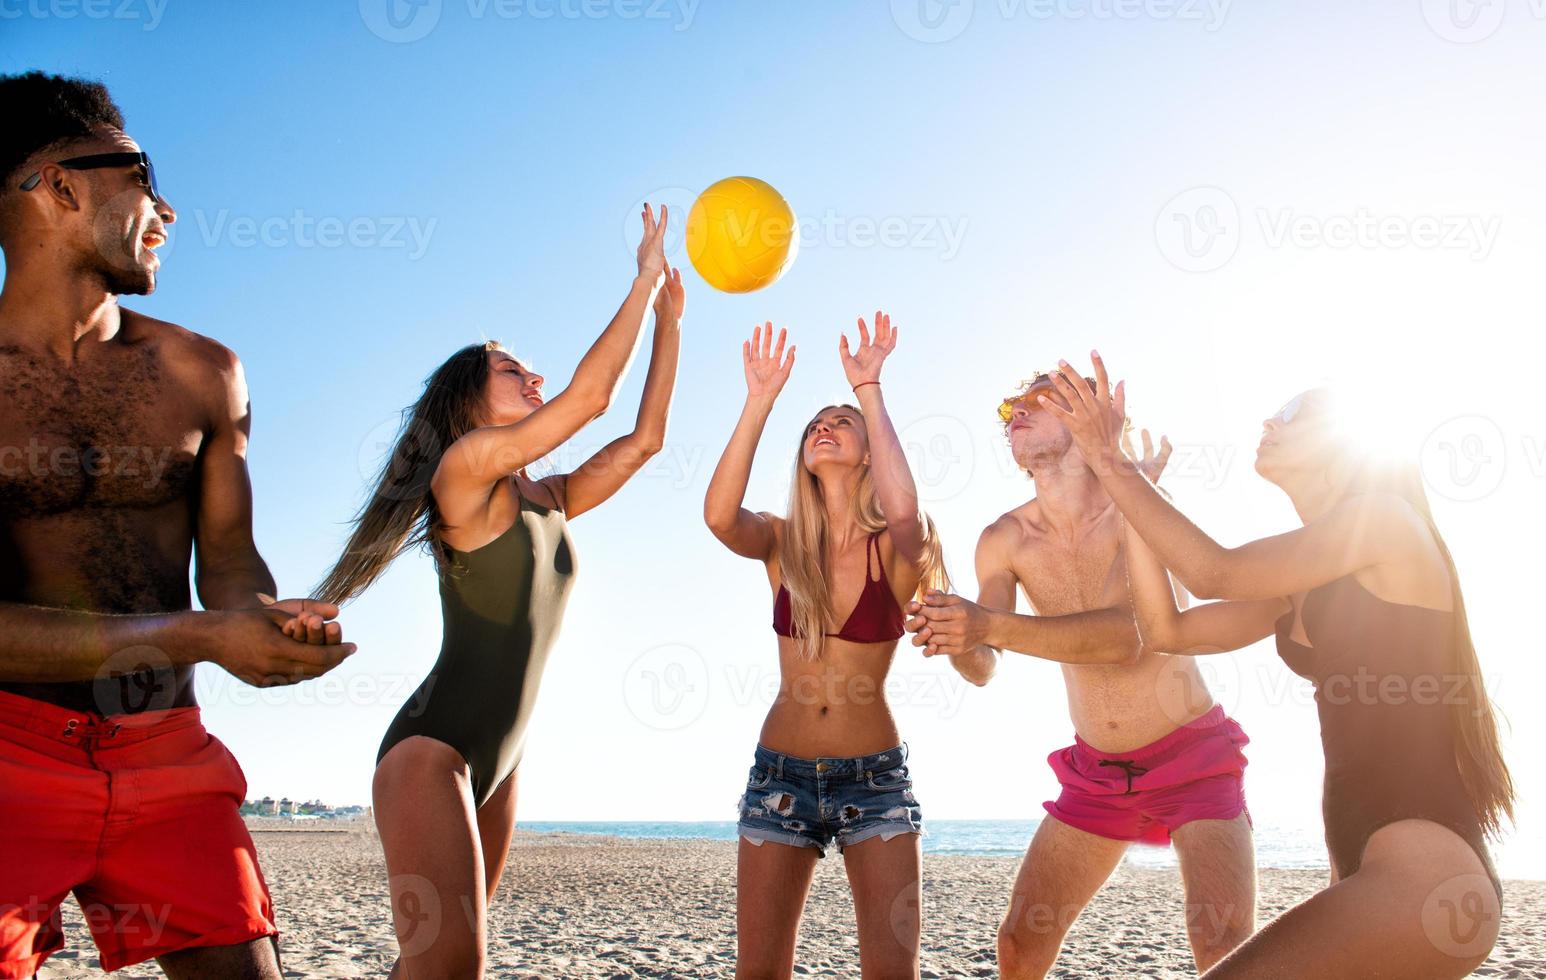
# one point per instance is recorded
(803, 552)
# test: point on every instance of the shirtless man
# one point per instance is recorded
(122, 455)
(1154, 759)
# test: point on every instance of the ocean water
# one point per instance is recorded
(1519, 857)
(1275, 848)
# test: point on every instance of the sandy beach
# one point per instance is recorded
(580, 906)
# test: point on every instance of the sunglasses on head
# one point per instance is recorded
(98, 161)
(1028, 397)
(1006, 408)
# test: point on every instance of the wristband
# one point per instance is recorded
(862, 384)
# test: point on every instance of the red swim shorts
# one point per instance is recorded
(138, 815)
(1194, 773)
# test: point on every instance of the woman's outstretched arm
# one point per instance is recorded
(1359, 532)
(1213, 627)
(893, 478)
(599, 477)
(743, 532)
(488, 454)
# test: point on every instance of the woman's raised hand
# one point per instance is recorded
(1152, 462)
(652, 247)
(1096, 418)
(671, 299)
(864, 364)
(767, 366)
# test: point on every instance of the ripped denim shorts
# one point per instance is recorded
(811, 802)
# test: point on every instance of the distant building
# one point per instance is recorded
(270, 807)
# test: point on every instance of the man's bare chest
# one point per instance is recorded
(1059, 579)
(114, 434)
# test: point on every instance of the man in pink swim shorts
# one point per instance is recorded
(1154, 759)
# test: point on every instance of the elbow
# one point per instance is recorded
(593, 401)
(983, 668)
(718, 525)
(1160, 637)
(599, 403)
(649, 444)
(1125, 653)
(1129, 654)
(1205, 585)
(1156, 643)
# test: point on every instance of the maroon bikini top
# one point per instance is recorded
(876, 617)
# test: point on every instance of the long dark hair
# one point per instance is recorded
(401, 512)
(1473, 722)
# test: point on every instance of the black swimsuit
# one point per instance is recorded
(502, 605)
(1383, 675)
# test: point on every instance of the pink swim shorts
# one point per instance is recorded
(1194, 773)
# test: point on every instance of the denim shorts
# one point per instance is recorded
(811, 802)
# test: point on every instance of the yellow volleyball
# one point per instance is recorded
(741, 234)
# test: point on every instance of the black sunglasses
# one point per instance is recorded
(98, 161)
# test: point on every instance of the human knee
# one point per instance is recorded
(1028, 941)
(457, 963)
(1219, 926)
(1209, 946)
(752, 968)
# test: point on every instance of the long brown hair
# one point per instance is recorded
(803, 551)
(1473, 721)
(401, 512)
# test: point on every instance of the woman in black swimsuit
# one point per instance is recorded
(445, 785)
(1365, 601)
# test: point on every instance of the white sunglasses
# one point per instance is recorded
(1287, 412)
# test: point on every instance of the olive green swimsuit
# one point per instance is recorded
(502, 605)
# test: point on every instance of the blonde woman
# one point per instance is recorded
(830, 764)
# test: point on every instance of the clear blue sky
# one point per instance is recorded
(1233, 201)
